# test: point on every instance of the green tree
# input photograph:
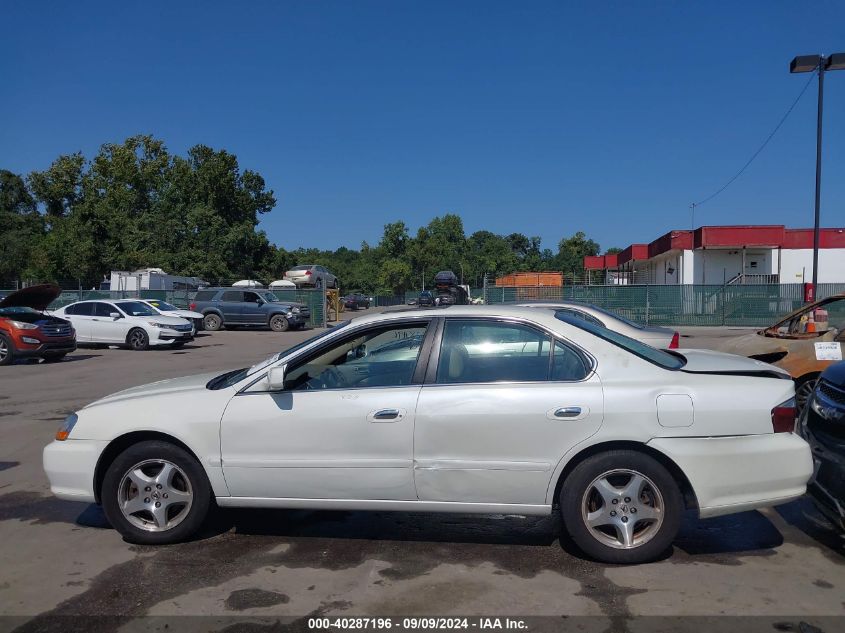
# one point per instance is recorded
(21, 228)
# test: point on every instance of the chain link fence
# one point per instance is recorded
(745, 305)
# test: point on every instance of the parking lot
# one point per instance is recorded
(60, 558)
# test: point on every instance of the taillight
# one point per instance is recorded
(783, 417)
(676, 338)
(193, 306)
(307, 272)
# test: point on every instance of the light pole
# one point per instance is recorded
(808, 64)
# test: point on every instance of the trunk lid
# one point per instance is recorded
(702, 361)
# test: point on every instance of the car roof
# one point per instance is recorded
(469, 311)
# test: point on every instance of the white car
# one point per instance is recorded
(168, 309)
(485, 409)
(125, 322)
(311, 275)
(654, 335)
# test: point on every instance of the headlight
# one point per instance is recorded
(23, 326)
(289, 313)
(66, 427)
(295, 310)
(160, 325)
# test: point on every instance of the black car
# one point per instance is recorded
(356, 301)
(822, 424)
(425, 298)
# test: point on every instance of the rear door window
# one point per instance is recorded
(103, 309)
(79, 309)
(478, 351)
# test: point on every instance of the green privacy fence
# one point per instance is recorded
(739, 305)
(313, 298)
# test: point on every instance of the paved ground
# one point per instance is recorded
(61, 558)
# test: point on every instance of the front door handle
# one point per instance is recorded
(568, 412)
(386, 415)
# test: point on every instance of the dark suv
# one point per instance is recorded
(234, 306)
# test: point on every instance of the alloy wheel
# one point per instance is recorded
(622, 509)
(137, 339)
(804, 391)
(155, 495)
(4, 349)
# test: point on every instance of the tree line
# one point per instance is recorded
(135, 205)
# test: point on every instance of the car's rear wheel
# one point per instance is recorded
(138, 339)
(7, 351)
(279, 323)
(621, 507)
(154, 493)
(212, 322)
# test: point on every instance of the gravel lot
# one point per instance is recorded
(61, 558)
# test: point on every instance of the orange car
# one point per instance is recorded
(804, 343)
(27, 332)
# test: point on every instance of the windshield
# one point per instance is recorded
(269, 297)
(136, 308)
(163, 305)
(646, 352)
(233, 377)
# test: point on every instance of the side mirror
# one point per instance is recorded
(276, 378)
(115, 315)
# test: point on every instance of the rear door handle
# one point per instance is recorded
(386, 415)
(567, 412)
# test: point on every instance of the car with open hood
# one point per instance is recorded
(804, 343)
(470, 409)
(26, 331)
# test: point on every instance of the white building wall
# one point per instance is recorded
(797, 265)
(716, 266)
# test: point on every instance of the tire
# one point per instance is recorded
(212, 322)
(804, 389)
(54, 358)
(597, 487)
(136, 469)
(138, 340)
(7, 351)
(279, 323)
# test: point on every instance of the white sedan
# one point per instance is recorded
(168, 309)
(654, 335)
(485, 409)
(125, 322)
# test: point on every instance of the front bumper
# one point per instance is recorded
(27, 350)
(70, 467)
(739, 473)
(168, 336)
(827, 487)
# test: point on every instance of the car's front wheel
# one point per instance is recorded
(279, 323)
(138, 339)
(621, 507)
(155, 493)
(212, 322)
(7, 351)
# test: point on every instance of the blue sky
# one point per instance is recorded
(539, 117)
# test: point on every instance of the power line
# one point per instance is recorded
(760, 149)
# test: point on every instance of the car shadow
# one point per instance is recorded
(803, 515)
(75, 357)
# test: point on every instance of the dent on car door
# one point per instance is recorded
(501, 406)
(342, 428)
